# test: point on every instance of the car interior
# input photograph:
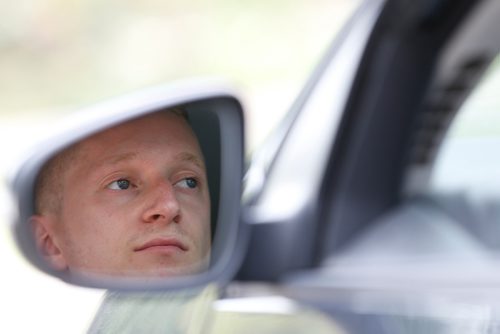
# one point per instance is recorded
(381, 232)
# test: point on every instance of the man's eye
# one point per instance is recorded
(121, 184)
(188, 182)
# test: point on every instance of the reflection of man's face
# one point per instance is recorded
(135, 201)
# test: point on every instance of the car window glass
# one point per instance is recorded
(467, 160)
(466, 178)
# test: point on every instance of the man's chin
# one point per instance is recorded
(152, 271)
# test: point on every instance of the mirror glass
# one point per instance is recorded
(136, 197)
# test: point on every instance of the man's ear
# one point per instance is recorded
(46, 242)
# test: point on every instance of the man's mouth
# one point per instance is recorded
(162, 244)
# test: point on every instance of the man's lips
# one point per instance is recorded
(162, 243)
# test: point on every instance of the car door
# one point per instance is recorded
(348, 217)
(343, 160)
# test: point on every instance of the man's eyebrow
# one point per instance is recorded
(189, 157)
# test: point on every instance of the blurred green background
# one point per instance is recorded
(57, 56)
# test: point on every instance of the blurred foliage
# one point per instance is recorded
(58, 54)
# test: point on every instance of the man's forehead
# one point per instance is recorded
(167, 127)
(184, 156)
(146, 124)
(165, 133)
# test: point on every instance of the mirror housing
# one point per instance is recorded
(215, 115)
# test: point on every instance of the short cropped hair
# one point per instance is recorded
(49, 184)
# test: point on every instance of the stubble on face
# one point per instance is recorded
(83, 218)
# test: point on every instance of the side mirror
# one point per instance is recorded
(137, 193)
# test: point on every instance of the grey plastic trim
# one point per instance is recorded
(299, 165)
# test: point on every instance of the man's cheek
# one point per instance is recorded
(197, 221)
(198, 205)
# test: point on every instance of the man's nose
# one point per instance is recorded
(161, 204)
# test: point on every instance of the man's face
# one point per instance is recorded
(135, 201)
